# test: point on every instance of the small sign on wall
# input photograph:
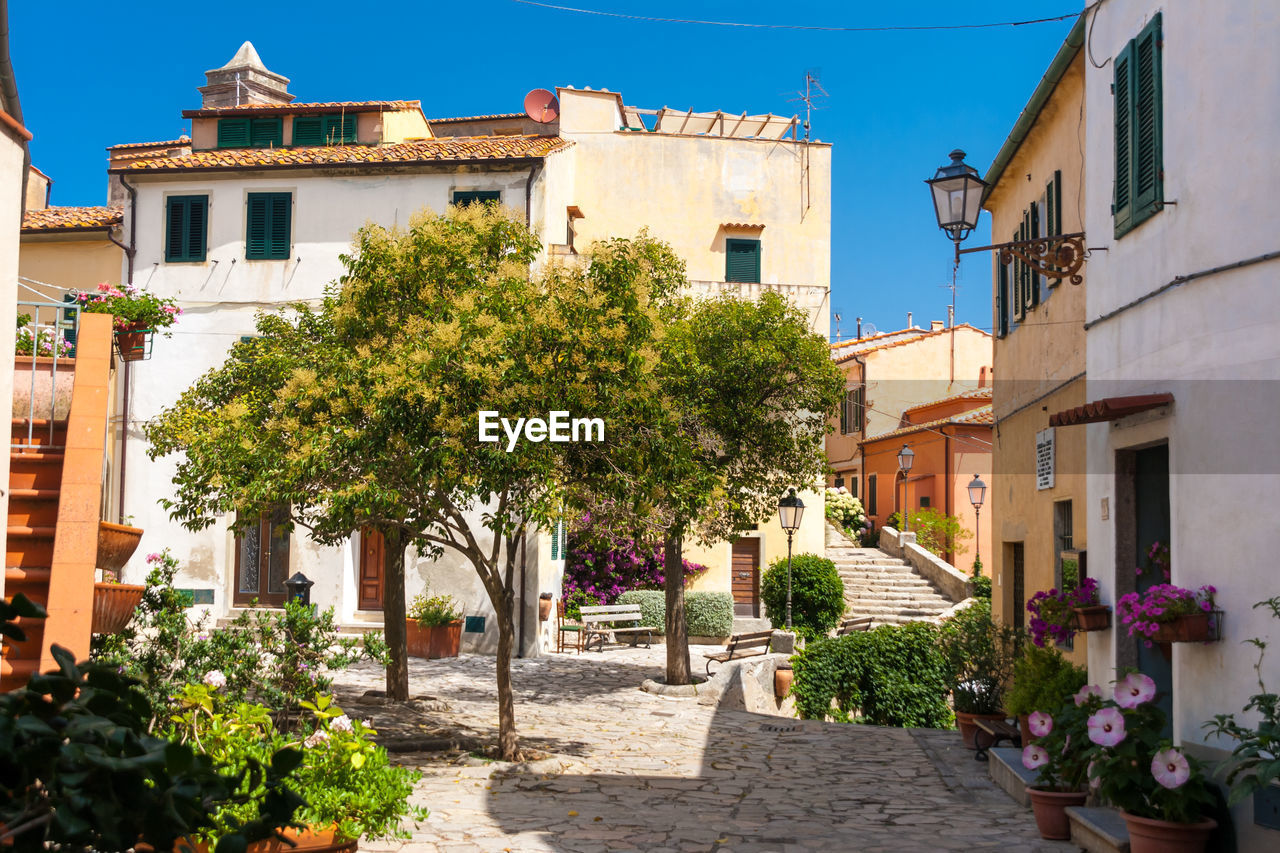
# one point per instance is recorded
(1044, 459)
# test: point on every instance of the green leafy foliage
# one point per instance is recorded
(981, 586)
(937, 533)
(1043, 680)
(889, 676)
(78, 770)
(817, 594)
(980, 655)
(709, 614)
(432, 611)
(1066, 761)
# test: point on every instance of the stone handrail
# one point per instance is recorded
(952, 583)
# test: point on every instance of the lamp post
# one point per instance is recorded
(977, 494)
(906, 458)
(790, 511)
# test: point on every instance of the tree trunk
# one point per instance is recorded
(677, 626)
(508, 747)
(393, 613)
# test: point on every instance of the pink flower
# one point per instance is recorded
(1106, 727)
(1170, 768)
(1134, 690)
(215, 679)
(1086, 693)
(317, 737)
(154, 557)
(104, 287)
(1039, 723)
(1034, 756)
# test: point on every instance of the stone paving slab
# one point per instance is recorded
(622, 770)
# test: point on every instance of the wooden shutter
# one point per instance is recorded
(859, 409)
(1033, 232)
(255, 242)
(233, 133)
(742, 261)
(871, 495)
(1002, 299)
(1146, 124)
(266, 132)
(1057, 203)
(844, 413)
(308, 130)
(267, 231)
(278, 235)
(1122, 210)
(186, 226)
(197, 227)
(462, 198)
(339, 129)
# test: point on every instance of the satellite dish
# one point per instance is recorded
(868, 329)
(541, 106)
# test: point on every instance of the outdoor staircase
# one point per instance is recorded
(885, 588)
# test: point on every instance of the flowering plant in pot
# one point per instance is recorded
(434, 626)
(1061, 764)
(1161, 791)
(1054, 614)
(1167, 613)
(132, 307)
(1043, 680)
(980, 656)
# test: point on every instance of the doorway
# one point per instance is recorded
(746, 577)
(1149, 524)
(262, 561)
(373, 552)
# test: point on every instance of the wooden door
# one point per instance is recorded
(373, 553)
(746, 577)
(262, 561)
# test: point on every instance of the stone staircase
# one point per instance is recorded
(883, 587)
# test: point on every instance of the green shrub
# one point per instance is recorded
(434, 611)
(817, 594)
(1043, 680)
(575, 600)
(937, 533)
(980, 656)
(893, 675)
(981, 587)
(708, 614)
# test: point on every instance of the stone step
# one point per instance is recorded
(938, 604)
(877, 612)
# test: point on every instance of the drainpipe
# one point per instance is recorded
(946, 479)
(131, 249)
(528, 193)
(129, 252)
(9, 91)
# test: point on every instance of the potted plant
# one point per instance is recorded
(1161, 791)
(1058, 615)
(434, 627)
(980, 656)
(1061, 764)
(1255, 760)
(1165, 613)
(1043, 680)
(349, 787)
(138, 314)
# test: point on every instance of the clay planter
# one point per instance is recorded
(544, 607)
(306, 840)
(438, 641)
(116, 544)
(1050, 810)
(969, 728)
(1095, 617)
(132, 341)
(113, 606)
(1161, 836)
(1192, 628)
(782, 679)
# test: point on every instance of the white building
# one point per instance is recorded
(1180, 173)
(253, 209)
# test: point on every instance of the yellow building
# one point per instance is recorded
(1037, 490)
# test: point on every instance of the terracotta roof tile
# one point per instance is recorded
(982, 416)
(418, 151)
(168, 143)
(914, 335)
(71, 219)
(316, 107)
(475, 118)
(971, 394)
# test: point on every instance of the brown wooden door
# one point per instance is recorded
(262, 561)
(746, 577)
(373, 551)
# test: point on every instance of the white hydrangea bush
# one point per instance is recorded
(845, 511)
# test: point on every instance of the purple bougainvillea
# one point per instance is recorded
(598, 574)
(1051, 611)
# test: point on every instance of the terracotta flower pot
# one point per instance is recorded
(1191, 628)
(309, 839)
(1147, 835)
(417, 639)
(1095, 617)
(113, 606)
(967, 724)
(1050, 810)
(544, 608)
(116, 544)
(443, 640)
(782, 679)
(132, 342)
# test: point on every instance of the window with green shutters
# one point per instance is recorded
(742, 260)
(336, 129)
(233, 133)
(1139, 176)
(186, 227)
(462, 198)
(263, 132)
(268, 235)
(1002, 299)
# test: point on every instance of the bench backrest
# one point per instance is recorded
(749, 641)
(599, 614)
(848, 626)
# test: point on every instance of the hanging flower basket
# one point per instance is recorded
(113, 606)
(1189, 628)
(134, 342)
(1096, 617)
(116, 544)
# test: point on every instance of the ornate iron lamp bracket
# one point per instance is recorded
(1056, 257)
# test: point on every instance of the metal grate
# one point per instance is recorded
(780, 727)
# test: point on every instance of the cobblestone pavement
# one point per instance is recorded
(626, 770)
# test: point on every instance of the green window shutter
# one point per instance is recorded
(844, 414)
(1033, 232)
(462, 198)
(186, 227)
(1002, 299)
(1146, 124)
(308, 130)
(1123, 89)
(858, 410)
(1057, 203)
(233, 133)
(268, 226)
(266, 132)
(742, 261)
(339, 129)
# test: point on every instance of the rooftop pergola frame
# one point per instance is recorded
(718, 123)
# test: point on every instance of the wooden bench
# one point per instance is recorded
(600, 623)
(742, 646)
(849, 626)
(989, 735)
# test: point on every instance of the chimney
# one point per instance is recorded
(910, 325)
(244, 80)
(859, 334)
(935, 325)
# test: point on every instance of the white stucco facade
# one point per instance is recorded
(1164, 317)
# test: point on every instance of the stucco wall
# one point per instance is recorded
(1194, 340)
(69, 263)
(10, 222)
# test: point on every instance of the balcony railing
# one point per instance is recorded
(45, 348)
(808, 296)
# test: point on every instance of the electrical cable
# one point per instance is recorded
(657, 20)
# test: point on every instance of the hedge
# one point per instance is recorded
(709, 614)
(893, 675)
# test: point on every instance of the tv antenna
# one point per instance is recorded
(837, 319)
(812, 92)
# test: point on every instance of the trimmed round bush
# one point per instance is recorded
(708, 614)
(817, 594)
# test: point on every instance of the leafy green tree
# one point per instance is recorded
(364, 413)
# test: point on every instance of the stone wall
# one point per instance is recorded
(949, 580)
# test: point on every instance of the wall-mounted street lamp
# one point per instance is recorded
(906, 458)
(790, 511)
(957, 201)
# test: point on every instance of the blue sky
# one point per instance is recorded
(92, 75)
